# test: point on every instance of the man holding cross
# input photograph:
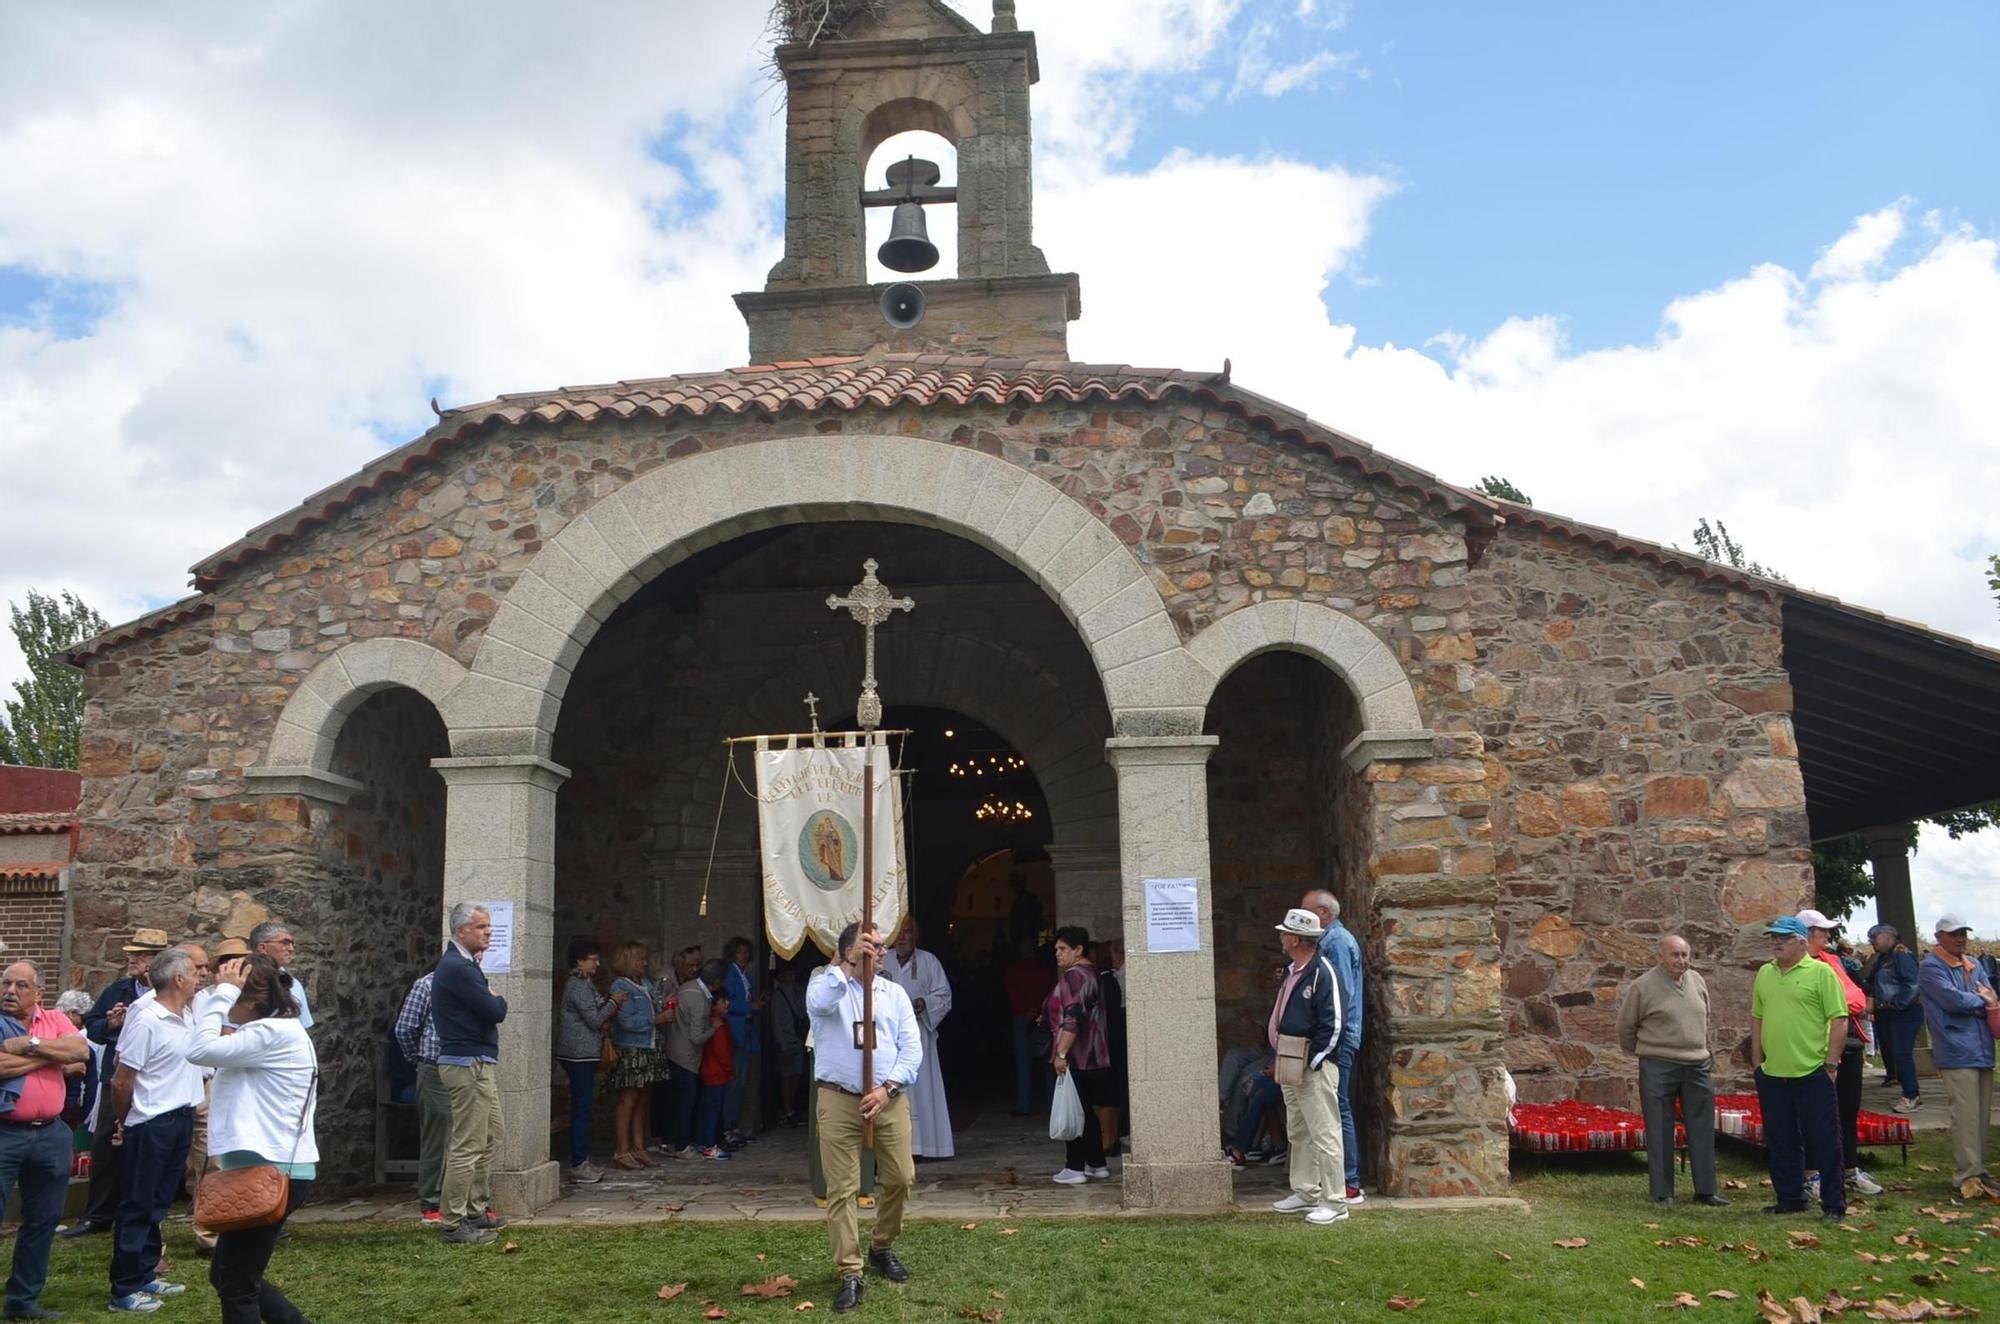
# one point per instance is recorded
(833, 1002)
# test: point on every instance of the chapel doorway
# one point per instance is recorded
(1283, 820)
(656, 834)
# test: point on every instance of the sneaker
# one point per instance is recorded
(717, 1153)
(586, 1172)
(1989, 1187)
(1327, 1213)
(1238, 1161)
(490, 1221)
(1812, 1189)
(1255, 1155)
(1277, 1156)
(1292, 1203)
(1097, 1174)
(137, 1303)
(1069, 1177)
(431, 1215)
(1859, 1179)
(467, 1234)
(163, 1289)
(1907, 1105)
(1354, 1195)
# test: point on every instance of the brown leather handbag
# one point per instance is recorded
(239, 1199)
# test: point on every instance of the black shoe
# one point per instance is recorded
(889, 1266)
(34, 1312)
(84, 1230)
(849, 1295)
(1833, 1216)
(1716, 1201)
(1786, 1208)
(1663, 1199)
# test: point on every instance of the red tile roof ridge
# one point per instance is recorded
(35, 822)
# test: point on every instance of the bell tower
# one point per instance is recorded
(856, 73)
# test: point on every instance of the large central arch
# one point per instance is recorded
(509, 703)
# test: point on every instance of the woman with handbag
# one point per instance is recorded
(582, 1039)
(638, 1064)
(260, 1131)
(1074, 1010)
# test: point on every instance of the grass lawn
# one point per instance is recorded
(1467, 1267)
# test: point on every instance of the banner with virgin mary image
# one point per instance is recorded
(809, 823)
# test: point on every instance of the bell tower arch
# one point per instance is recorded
(857, 72)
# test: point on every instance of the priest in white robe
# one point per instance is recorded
(922, 977)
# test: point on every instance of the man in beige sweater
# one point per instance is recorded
(1663, 1020)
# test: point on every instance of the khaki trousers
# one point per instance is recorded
(839, 1118)
(1312, 1126)
(476, 1131)
(1969, 1093)
(197, 1162)
(433, 1134)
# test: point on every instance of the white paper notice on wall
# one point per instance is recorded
(499, 957)
(1173, 915)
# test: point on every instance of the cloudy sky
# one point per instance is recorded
(1649, 265)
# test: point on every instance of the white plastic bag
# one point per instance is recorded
(1066, 1113)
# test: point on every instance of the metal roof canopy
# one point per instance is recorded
(1894, 721)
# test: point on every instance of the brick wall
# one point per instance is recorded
(31, 924)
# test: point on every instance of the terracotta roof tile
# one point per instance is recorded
(51, 872)
(13, 823)
(804, 386)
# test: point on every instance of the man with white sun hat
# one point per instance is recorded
(1305, 1026)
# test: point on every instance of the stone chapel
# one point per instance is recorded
(1212, 638)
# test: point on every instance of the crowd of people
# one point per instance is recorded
(1812, 1009)
(181, 1068)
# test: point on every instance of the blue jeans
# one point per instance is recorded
(732, 1099)
(1024, 1068)
(582, 1095)
(683, 1086)
(1350, 1152)
(1264, 1093)
(36, 1160)
(1802, 1129)
(1898, 1032)
(708, 1129)
(155, 1153)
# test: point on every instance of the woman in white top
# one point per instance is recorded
(260, 1111)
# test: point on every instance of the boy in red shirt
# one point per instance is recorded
(718, 1068)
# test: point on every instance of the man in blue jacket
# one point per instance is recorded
(1956, 994)
(1891, 979)
(467, 1014)
(1341, 950)
(1305, 1027)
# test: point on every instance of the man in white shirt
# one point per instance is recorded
(834, 1003)
(153, 1095)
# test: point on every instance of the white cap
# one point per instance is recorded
(1812, 919)
(1951, 924)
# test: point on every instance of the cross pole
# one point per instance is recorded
(871, 605)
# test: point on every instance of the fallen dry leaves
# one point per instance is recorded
(668, 1291)
(771, 1288)
(1009, 1231)
(803, 1306)
(1683, 1301)
(1802, 1240)
(988, 1316)
(1504, 1257)
(967, 1227)
(1722, 1294)
(1572, 1243)
(715, 1312)
(1404, 1302)
(510, 1248)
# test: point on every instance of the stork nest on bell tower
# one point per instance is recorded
(813, 21)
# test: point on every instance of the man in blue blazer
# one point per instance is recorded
(1304, 1031)
(467, 1014)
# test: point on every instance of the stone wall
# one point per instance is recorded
(1639, 747)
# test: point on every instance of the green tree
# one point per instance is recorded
(1499, 488)
(1993, 580)
(1713, 542)
(41, 726)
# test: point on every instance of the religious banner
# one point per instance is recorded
(809, 821)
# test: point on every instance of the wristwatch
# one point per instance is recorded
(34, 1044)
(893, 1088)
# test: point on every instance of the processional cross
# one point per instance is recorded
(870, 604)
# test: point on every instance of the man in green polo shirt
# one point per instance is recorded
(1798, 1027)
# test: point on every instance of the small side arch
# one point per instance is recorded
(309, 726)
(1381, 687)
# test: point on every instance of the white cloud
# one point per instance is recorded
(1957, 876)
(1860, 251)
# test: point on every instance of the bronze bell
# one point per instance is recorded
(909, 246)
